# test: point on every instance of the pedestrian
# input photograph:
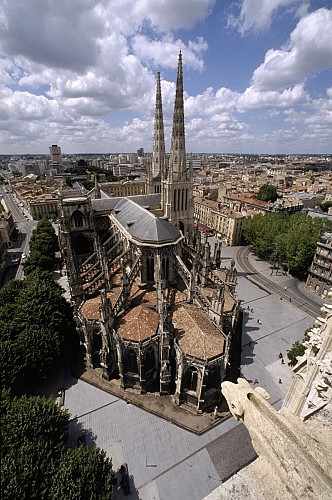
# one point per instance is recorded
(282, 361)
(280, 381)
(280, 355)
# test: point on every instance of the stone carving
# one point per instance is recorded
(295, 461)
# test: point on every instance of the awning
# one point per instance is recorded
(203, 228)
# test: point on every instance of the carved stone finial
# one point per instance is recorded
(299, 463)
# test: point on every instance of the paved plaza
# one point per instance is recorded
(169, 462)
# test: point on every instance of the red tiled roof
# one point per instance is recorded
(139, 324)
(90, 308)
(196, 334)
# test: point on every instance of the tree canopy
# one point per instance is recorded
(43, 245)
(267, 192)
(326, 205)
(287, 239)
(35, 460)
(36, 328)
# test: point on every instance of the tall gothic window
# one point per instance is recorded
(78, 218)
(97, 341)
(191, 379)
(130, 361)
(150, 268)
(165, 268)
(149, 359)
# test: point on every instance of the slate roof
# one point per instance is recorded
(146, 200)
(139, 324)
(196, 334)
(142, 224)
(105, 204)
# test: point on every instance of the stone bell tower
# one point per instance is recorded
(177, 190)
(156, 167)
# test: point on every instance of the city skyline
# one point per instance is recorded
(257, 75)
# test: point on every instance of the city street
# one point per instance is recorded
(13, 269)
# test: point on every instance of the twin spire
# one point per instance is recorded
(177, 163)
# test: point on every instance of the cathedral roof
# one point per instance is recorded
(142, 224)
(196, 334)
(139, 324)
(90, 308)
(229, 301)
(108, 204)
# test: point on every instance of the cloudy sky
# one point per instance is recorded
(81, 74)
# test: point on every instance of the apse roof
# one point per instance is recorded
(142, 224)
(139, 324)
(196, 334)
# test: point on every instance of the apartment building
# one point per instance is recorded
(320, 274)
(44, 206)
(225, 223)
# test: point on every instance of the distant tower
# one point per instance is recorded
(177, 195)
(156, 168)
(56, 158)
(55, 152)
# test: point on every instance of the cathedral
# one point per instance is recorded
(154, 307)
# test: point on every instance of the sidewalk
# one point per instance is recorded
(270, 327)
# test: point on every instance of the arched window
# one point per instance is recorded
(150, 268)
(78, 218)
(97, 342)
(214, 379)
(130, 361)
(191, 379)
(165, 267)
(149, 359)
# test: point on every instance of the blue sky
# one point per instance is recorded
(81, 74)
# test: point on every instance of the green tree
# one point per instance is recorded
(35, 461)
(37, 330)
(326, 205)
(33, 441)
(43, 245)
(295, 351)
(287, 239)
(83, 474)
(267, 192)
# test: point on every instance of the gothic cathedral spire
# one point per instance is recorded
(177, 186)
(156, 167)
(178, 148)
(158, 157)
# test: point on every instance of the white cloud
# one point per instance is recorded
(173, 14)
(48, 35)
(257, 15)
(309, 51)
(166, 50)
(253, 99)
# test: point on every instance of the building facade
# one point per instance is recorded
(320, 273)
